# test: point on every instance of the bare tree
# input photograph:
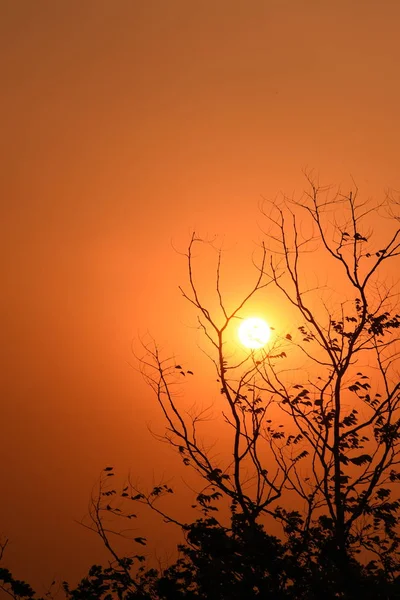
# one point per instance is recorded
(347, 410)
(314, 422)
(332, 381)
(243, 479)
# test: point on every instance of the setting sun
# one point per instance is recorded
(254, 333)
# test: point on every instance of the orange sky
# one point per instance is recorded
(127, 124)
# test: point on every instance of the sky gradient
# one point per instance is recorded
(126, 125)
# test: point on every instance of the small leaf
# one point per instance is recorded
(383, 493)
(140, 540)
(360, 460)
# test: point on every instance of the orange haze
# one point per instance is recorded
(126, 125)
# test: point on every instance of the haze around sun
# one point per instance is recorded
(254, 333)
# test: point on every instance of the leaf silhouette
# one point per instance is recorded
(140, 540)
(360, 460)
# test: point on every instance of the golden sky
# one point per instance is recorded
(126, 125)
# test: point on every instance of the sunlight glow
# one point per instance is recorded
(254, 333)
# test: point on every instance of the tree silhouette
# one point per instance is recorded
(304, 502)
(337, 445)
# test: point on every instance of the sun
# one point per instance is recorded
(254, 333)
